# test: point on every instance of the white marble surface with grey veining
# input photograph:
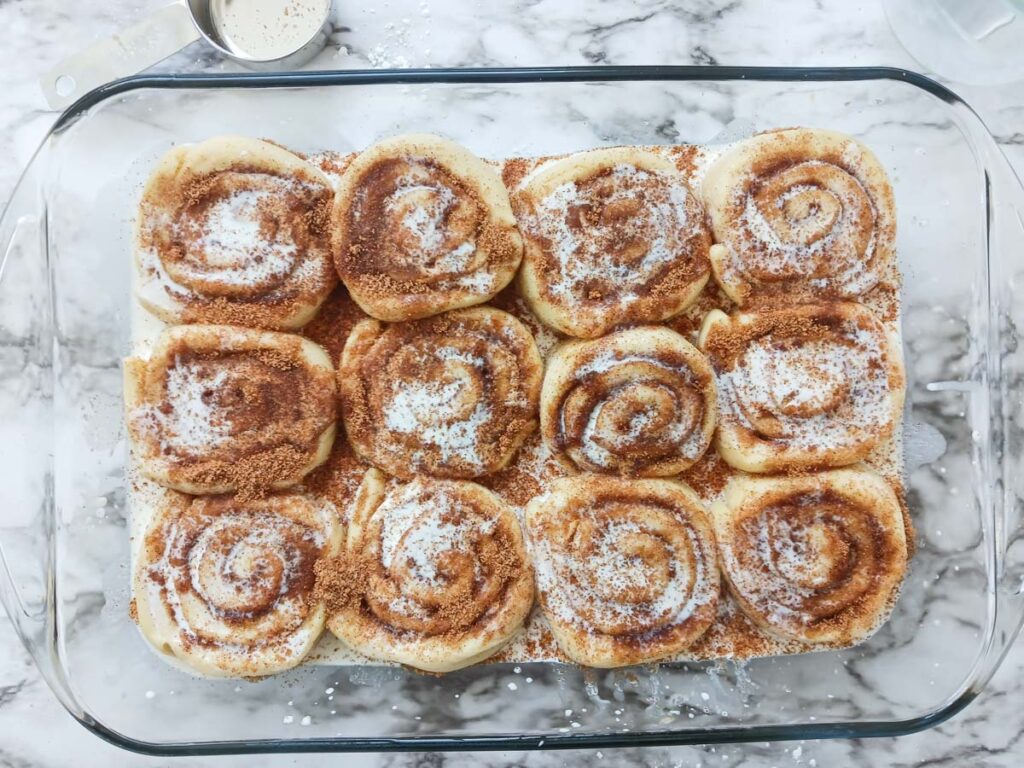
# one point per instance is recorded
(35, 731)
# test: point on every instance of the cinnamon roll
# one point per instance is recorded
(800, 214)
(803, 386)
(443, 581)
(452, 396)
(217, 409)
(235, 230)
(626, 569)
(638, 402)
(612, 236)
(816, 558)
(226, 586)
(422, 226)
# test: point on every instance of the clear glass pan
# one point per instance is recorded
(64, 309)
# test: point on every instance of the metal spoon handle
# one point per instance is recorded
(130, 50)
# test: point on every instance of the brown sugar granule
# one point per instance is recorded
(684, 156)
(318, 216)
(709, 475)
(464, 610)
(501, 249)
(257, 314)
(272, 358)
(334, 322)
(332, 163)
(726, 344)
(884, 300)
(340, 581)
(338, 478)
(197, 189)
(253, 476)
(515, 170)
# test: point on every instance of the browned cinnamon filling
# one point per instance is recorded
(816, 378)
(726, 345)
(452, 396)
(803, 226)
(251, 418)
(619, 235)
(220, 562)
(629, 412)
(334, 322)
(434, 561)
(627, 566)
(811, 560)
(240, 246)
(414, 227)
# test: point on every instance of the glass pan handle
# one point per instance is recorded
(161, 34)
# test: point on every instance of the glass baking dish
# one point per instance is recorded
(64, 327)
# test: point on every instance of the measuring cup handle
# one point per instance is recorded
(164, 32)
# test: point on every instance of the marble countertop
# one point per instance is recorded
(34, 729)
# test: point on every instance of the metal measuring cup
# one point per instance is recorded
(162, 33)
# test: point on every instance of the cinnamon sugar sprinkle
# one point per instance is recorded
(254, 475)
(452, 395)
(625, 239)
(334, 322)
(340, 581)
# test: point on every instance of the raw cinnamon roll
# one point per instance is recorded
(638, 402)
(451, 396)
(422, 226)
(218, 408)
(817, 558)
(226, 586)
(235, 230)
(443, 576)
(612, 236)
(626, 569)
(804, 386)
(800, 213)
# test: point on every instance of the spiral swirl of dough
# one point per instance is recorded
(217, 409)
(817, 558)
(638, 402)
(800, 213)
(450, 396)
(422, 226)
(445, 577)
(226, 587)
(626, 569)
(235, 230)
(612, 236)
(805, 386)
